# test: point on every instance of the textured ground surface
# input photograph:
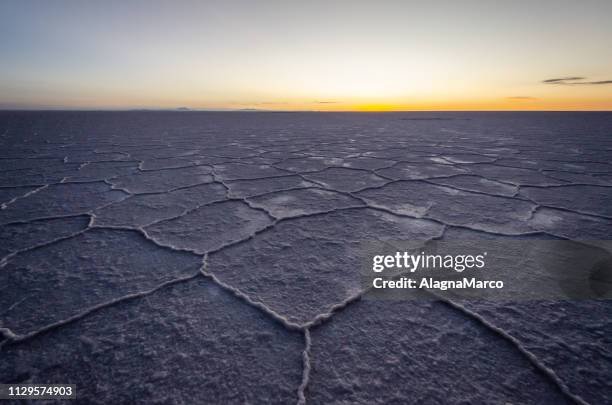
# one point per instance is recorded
(214, 257)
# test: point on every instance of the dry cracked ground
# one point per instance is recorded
(160, 257)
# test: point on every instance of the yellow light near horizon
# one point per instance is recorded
(376, 107)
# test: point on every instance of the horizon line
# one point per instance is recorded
(178, 110)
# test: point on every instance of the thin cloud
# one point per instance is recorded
(575, 81)
(528, 98)
(563, 80)
(326, 102)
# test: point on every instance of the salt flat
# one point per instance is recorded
(208, 257)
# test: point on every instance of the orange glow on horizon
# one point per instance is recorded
(501, 105)
(338, 105)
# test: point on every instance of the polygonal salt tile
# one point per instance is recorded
(19, 236)
(419, 352)
(210, 227)
(248, 188)
(8, 194)
(367, 163)
(191, 342)
(102, 170)
(409, 171)
(302, 267)
(581, 178)
(571, 225)
(234, 171)
(595, 200)
(9, 164)
(453, 207)
(346, 179)
(61, 200)
(569, 337)
(37, 176)
(479, 184)
(163, 180)
(60, 280)
(310, 164)
(307, 201)
(467, 158)
(512, 175)
(178, 162)
(84, 156)
(142, 210)
(403, 154)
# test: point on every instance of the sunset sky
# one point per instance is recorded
(310, 55)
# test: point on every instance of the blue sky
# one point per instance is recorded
(322, 55)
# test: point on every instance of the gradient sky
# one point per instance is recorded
(312, 55)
